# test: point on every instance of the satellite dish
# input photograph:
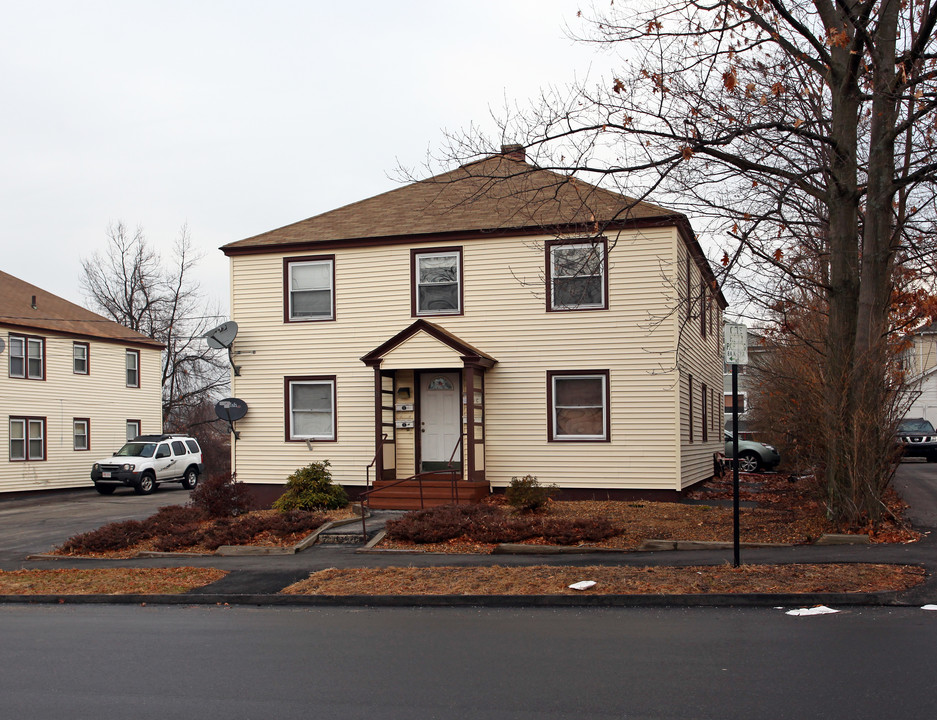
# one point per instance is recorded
(230, 409)
(222, 336)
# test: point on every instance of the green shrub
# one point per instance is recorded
(311, 488)
(527, 495)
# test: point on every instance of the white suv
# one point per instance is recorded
(148, 460)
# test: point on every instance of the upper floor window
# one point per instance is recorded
(27, 438)
(27, 357)
(80, 358)
(578, 405)
(437, 281)
(133, 368)
(310, 288)
(577, 275)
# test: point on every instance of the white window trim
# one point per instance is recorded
(598, 247)
(292, 433)
(457, 254)
(86, 434)
(136, 424)
(604, 406)
(27, 422)
(330, 263)
(86, 347)
(135, 354)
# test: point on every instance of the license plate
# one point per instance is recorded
(106, 473)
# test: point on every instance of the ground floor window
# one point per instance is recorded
(27, 438)
(133, 429)
(578, 405)
(310, 406)
(81, 429)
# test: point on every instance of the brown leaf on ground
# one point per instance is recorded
(788, 512)
(107, 581)
(653, 580)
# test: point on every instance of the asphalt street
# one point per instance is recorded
(154, 662)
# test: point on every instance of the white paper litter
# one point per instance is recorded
(582, 585)
(818, 610)
(928, 607)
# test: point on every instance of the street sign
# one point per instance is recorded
(736, 344)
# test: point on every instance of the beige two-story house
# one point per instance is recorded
(74, 387)
(495, 321)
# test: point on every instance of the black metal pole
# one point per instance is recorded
(735, 465)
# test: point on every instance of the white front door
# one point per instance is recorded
(440, 419)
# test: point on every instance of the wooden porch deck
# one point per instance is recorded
(406, 495)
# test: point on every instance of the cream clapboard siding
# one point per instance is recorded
(101, 396)
(505, 317)
(699, 357)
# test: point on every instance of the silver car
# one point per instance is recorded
(753, 456)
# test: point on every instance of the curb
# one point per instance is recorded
(889, 599)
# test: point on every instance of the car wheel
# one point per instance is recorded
(105, 489)
(749, 462)
(190, 479)
(146, 485)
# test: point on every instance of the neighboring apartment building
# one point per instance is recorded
(500, 320)
(921, 368)
(74, 387)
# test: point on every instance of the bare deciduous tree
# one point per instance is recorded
(130, 284)
(804, 132)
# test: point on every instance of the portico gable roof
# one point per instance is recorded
(469, 355)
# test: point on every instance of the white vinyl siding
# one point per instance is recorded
(504, 315)
(64, 396)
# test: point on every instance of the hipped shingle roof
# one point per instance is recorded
(55, 314)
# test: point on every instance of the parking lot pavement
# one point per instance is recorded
(38, 523)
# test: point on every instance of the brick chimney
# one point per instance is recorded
(515, 152)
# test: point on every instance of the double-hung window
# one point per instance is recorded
(577, 273)
(437, 281)
(578, 405)
(310, 408)
(27, 438)
(27, 357)
(133, 368)
(133, 429)
(81, 434)
(80, 358)
(310, 288)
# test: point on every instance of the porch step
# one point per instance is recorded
(406, 495)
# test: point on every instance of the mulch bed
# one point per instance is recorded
(548, 580)
(789, 511)
(107, 581)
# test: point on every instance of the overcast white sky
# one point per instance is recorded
(238, 117)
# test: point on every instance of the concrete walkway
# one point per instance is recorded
(256, 579)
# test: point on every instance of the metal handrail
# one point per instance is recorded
(366, 495)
